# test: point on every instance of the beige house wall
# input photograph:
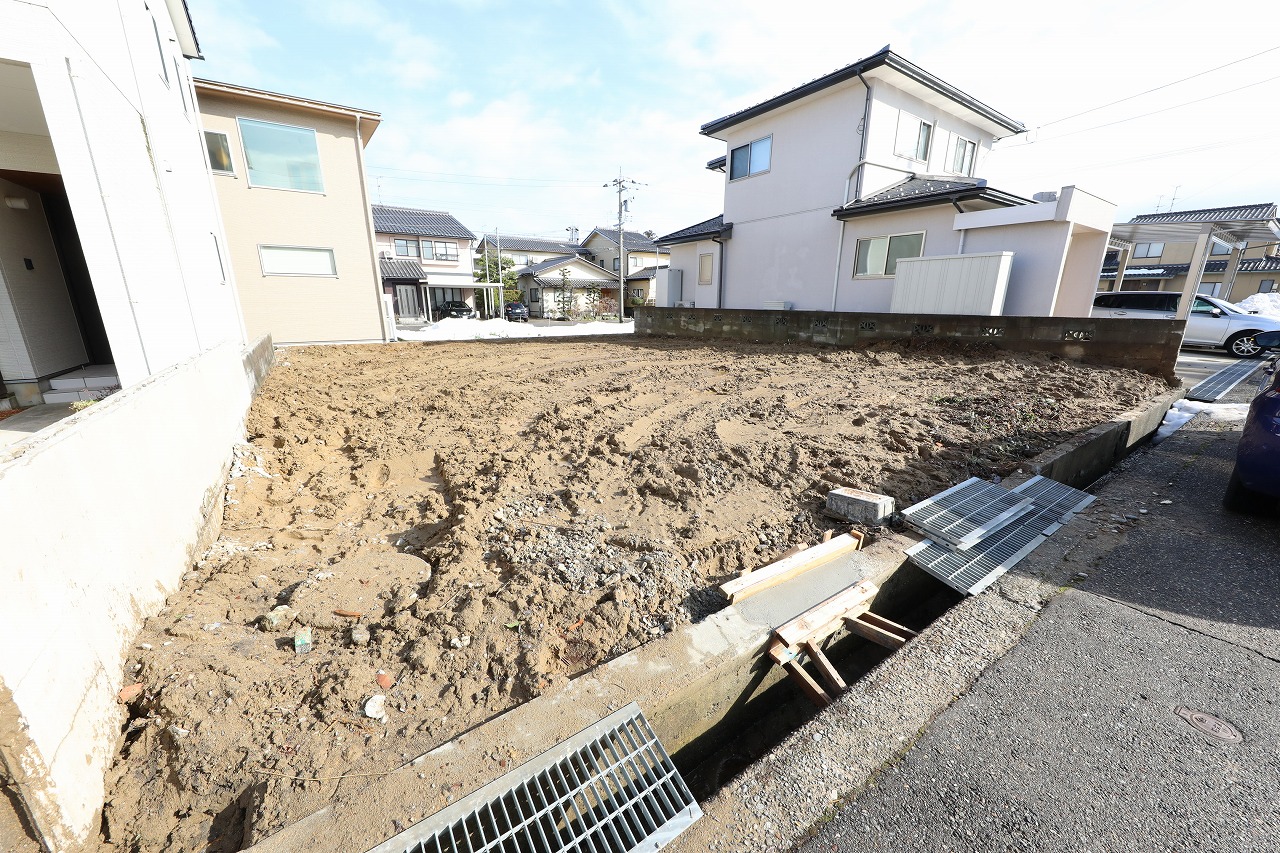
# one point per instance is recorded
(1246, 283)
(299, 309)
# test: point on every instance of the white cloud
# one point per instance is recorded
(228, 30)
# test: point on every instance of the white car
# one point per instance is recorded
(1212, 322)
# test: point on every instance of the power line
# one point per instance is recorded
(491, 177)
(1158, 88)
(1144, 115)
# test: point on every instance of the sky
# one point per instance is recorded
(516, 115)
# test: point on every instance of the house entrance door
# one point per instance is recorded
(407, 300)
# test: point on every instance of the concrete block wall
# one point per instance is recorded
(105, 511)
(1150, 346)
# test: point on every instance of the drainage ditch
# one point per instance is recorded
(769, 712)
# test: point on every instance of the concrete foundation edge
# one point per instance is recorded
(116, 501)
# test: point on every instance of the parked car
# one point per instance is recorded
(516, 312)
(1255, 480)
(1212, 322)
(454, 308)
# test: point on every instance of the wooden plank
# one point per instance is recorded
(888, 624)
(891, 635)
(807, 685)
(825, 669)
(832, 610)
(788, 567)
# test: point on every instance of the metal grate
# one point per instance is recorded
(611, 788)
(972, 571)
(1224, 380)
(964, 514)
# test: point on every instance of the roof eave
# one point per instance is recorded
(234, 91)
(885, 58)
(908, 202)
(724, 233)
(184, 28)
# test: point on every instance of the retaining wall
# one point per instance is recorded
(1150, 346)
(104, 513)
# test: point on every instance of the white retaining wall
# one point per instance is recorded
(102, 514)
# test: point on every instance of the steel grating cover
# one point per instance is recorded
(611, 788)
(974, 570)
(1223, 381)
(964, 514)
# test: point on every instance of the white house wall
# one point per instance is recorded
(132, 160)
(39, 334)
(1039, 250)
(887, 105)
(875, 293)
(684, 257)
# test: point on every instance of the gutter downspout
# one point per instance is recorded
(857, 169)
(720, 277)
(963, 231)
(387, 334)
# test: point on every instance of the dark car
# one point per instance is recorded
(454, 308)
(1255, 482)
(516, 312)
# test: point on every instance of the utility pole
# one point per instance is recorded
(622, 185)
(501, 286)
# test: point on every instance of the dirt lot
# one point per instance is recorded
(462, 526)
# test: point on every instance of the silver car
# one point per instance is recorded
(1212, 322)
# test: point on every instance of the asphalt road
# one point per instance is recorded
(1071, 742)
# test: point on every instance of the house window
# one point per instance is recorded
(879, 256)
(219, 152)
(914, 136)
(748, 160)
(704, 268)
(281, 156)
(637, 292)
(446, 251)
(428, 252)
(164, 67)
(522, 260)
(406, 248)
(1216, 248)
(1267, 285)
(635, 262)
(617, 264)
(1148, 250)
(297, 260)
(962, 156)
(535, 295)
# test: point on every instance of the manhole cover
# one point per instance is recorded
(1210, 725)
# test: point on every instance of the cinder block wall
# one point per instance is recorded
(105, 511)
(1150, 346)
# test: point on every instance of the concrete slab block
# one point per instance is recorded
(859, 506)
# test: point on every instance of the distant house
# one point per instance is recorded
(1241, 258)
(290, 178)
(858, 192)
(426, 259)
(543, 286)
(523, 251)
(642, 285)
(601, 247)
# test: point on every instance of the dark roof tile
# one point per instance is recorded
(422, 223)
(705, 229)
(401, 268)
(1239, 213)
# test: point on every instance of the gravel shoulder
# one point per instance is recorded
(463, 526)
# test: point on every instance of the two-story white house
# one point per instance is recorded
(426, 259)
(858, 192)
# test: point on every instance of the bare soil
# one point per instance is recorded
(464, 526)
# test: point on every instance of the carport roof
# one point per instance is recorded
(1233, 224)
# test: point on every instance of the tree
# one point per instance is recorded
(564, 294)
(592, 300)
(486, 270)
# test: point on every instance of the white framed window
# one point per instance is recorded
(281, 156)
(1148, 250)
(219, 149)
(297, 260)
(1216, 248)
(1208, 288)
(634, 261)
(446, 251)
(164, 66)
(617, 264)
(704, 268)
(914, 137)
(1267, 285)
(962, 154)
(520, 260)
(428, 250)
(750, 159)
(879, 256)
(406, 248)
